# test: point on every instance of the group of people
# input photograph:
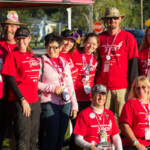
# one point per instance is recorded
(89, 85)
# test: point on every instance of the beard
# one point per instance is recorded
(112, 26)
(9, 36)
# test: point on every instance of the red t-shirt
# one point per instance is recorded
(5, 48)
(87, 125)
(25, 69)
(73, 68)
(79, 88)
(114, 72)
(135, 115)
(143, 62)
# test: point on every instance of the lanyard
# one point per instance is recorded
(86, 67)
(24, 55)
(59, 70)
(148, 113)
(8, 47)
(98, 121)
(109, 48)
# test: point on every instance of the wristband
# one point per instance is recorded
(135, 142)
(23, 98)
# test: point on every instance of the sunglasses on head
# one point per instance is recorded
(110, 18)
(141, 87)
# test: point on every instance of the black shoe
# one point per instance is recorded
(66, 143)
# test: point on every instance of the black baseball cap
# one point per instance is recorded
(22, 32)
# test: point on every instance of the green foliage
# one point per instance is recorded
(80, 18)
(80, 14)
(60, 15)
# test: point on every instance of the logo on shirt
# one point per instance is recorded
(33, 63)
(114, 47)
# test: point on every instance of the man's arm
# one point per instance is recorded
(132, 70)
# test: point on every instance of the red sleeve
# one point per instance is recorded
(9, 67)
(132, 46)
(81, 124)
(127, 114)
(115, 129)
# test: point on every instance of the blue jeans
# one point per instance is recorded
(54, 120)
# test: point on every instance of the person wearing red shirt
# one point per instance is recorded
(134, 120)
(96, 124)
(21, 71)
(144, 55)
(119, 55)
(68, 47)
(7, 44)
(86, 61)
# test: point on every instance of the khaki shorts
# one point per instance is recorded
(116, 100)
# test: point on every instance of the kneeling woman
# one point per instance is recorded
(134, 120)
(21, 71)
(58, 100)
(96, 124)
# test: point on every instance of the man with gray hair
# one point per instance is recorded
(119, 54)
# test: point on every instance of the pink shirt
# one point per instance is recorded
(51, 79)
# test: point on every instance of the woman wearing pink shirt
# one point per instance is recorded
(58, 100)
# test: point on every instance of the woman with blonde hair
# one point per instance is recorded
(135, 117)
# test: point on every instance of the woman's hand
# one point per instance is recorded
(59, 90)
(73, 114)
(140, 147)
(26, 108)
(92, 147)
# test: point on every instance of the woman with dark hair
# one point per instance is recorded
(144, 55)
(68, 47)
(58, 100)
(21, 71)
(86, 61)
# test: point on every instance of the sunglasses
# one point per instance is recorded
(141, 87)
(110, 18)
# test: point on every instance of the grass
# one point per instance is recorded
(6, 142)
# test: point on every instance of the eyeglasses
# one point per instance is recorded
(53, 47)
(141, 87)
(110, 18)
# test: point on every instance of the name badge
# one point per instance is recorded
(87, 88)
(147, 134)
(0, 78)
(106, 67)
(148, 75)
(65, 92)
(103, 135)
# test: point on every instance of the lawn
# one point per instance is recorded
(6, 142)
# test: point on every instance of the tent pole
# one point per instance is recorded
(69, 18)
